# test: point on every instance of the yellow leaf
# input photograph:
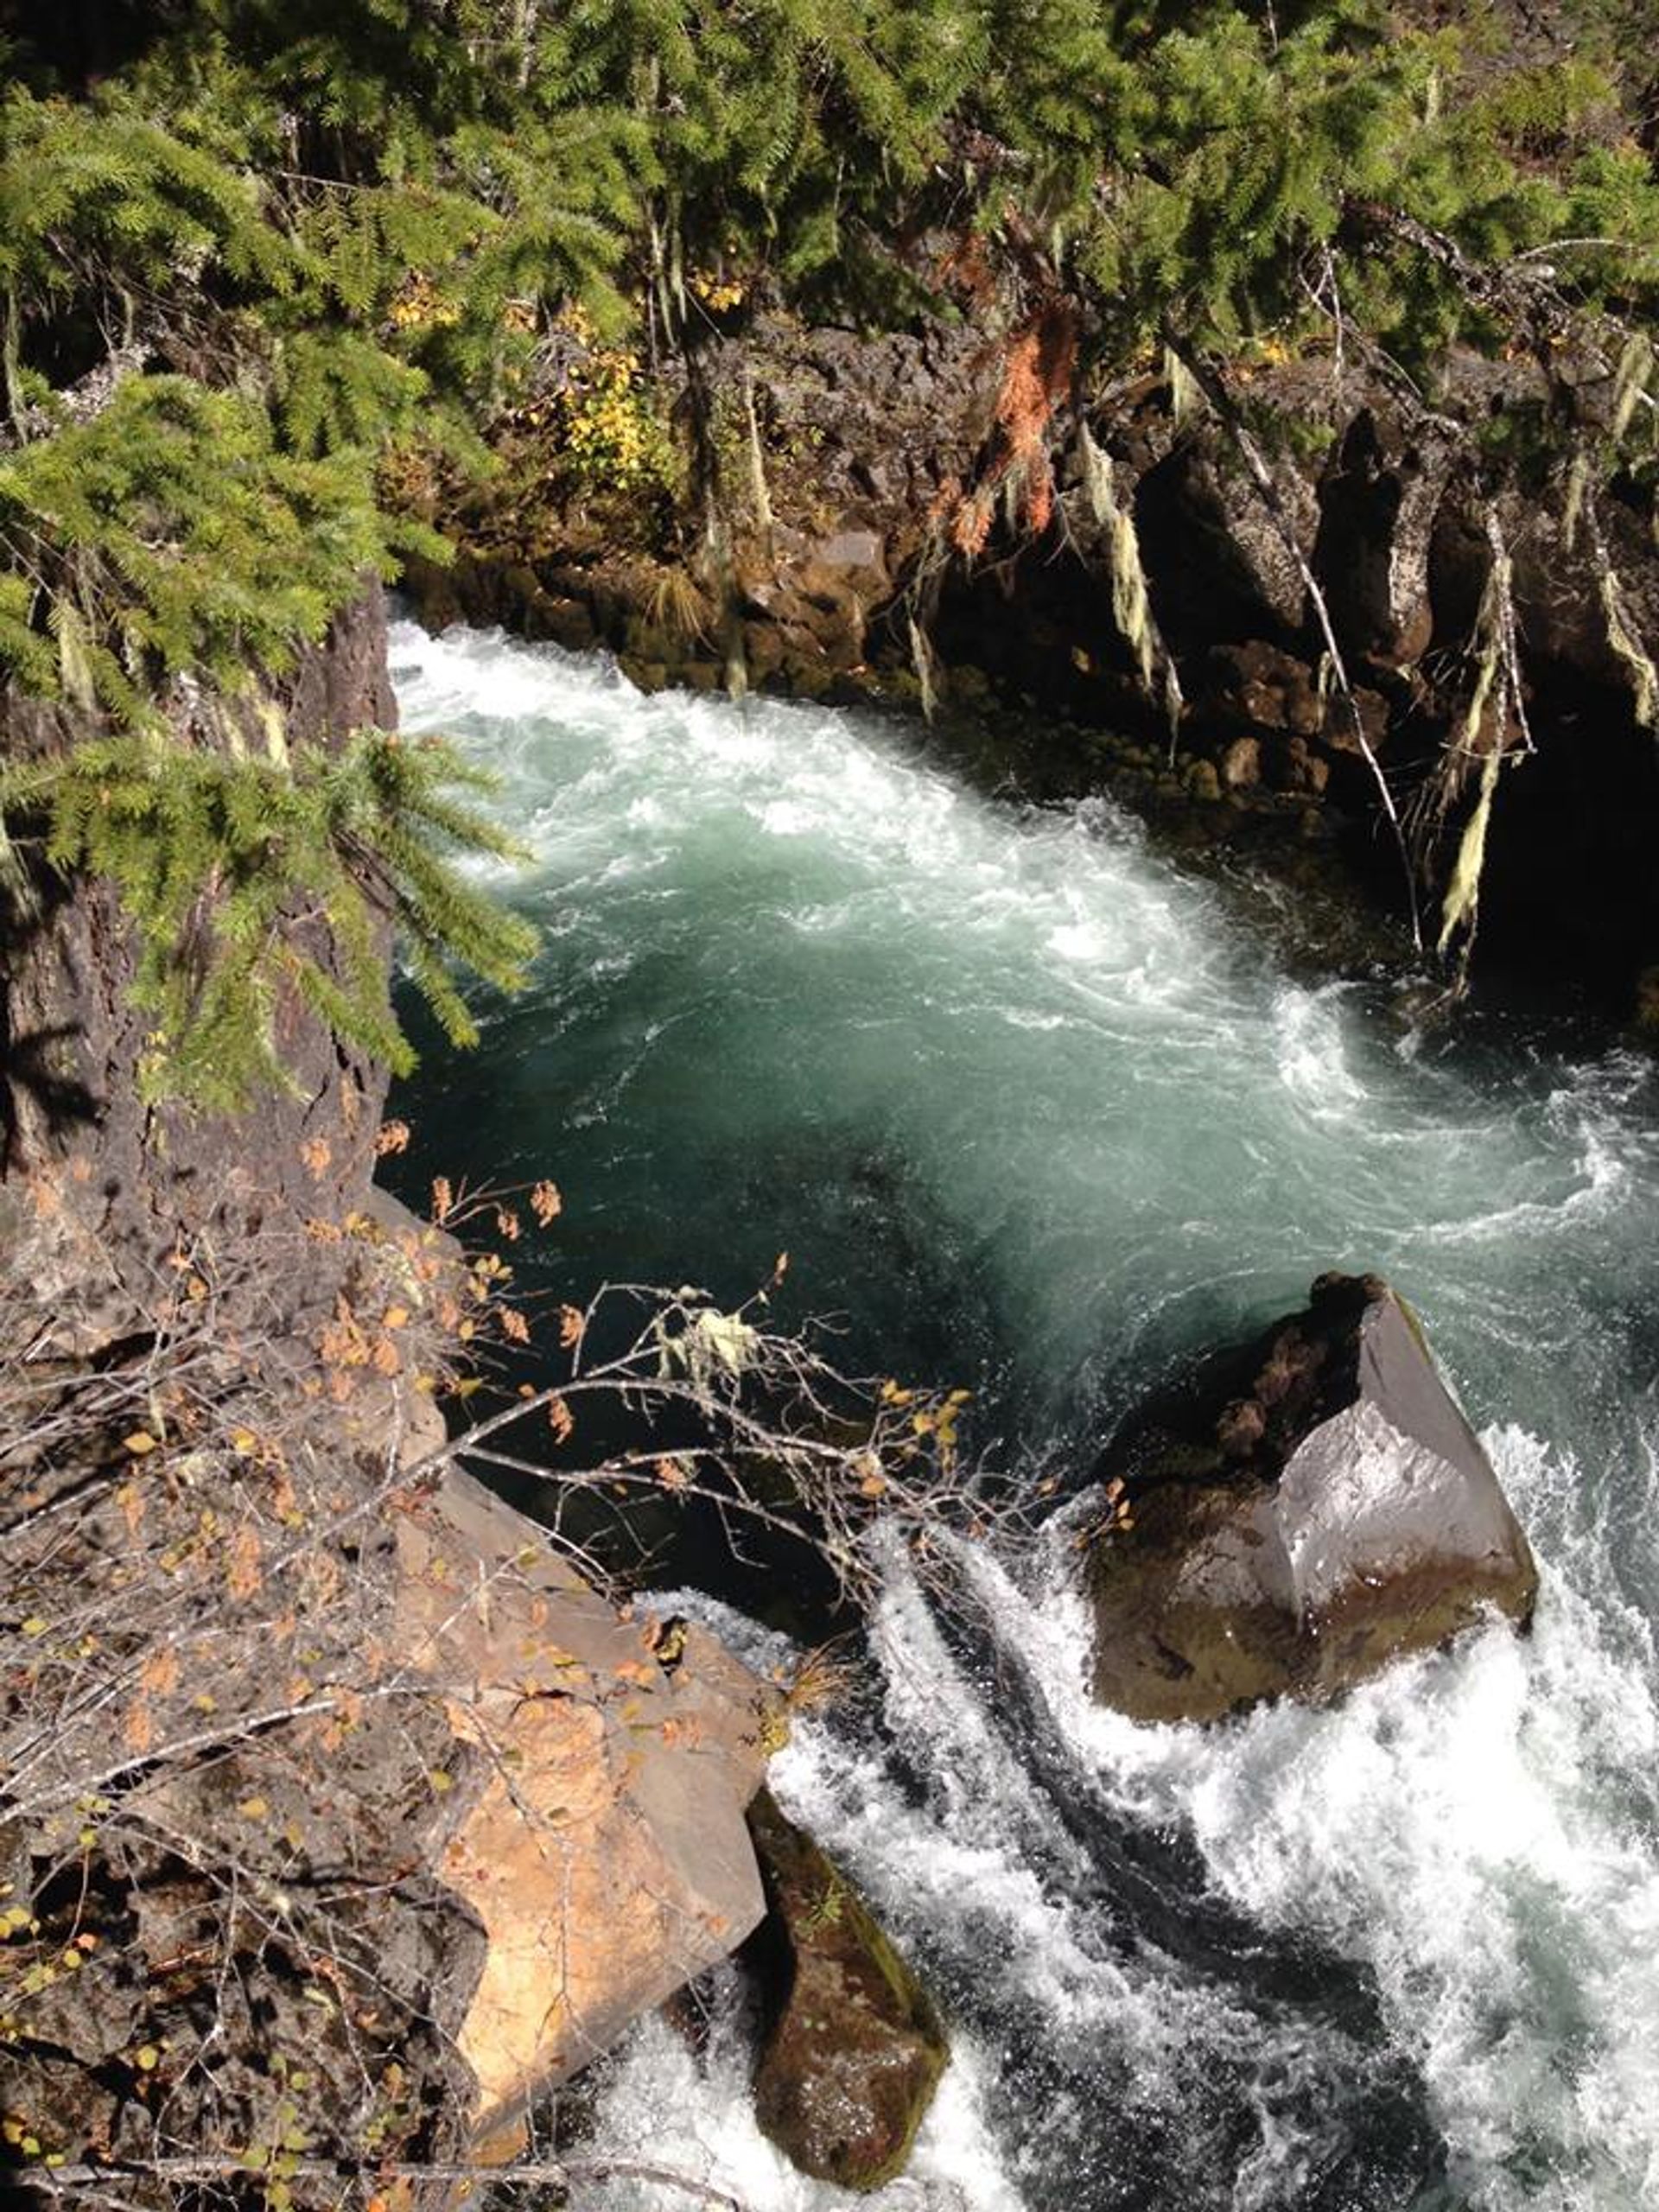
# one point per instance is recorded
(147, 2057)
(253, 1808)
(397, 1317)
(139, 1443)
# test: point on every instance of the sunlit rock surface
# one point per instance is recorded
(1302, 1512)
(598, 1834)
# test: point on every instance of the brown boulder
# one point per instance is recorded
(854, 2050)
(1304, 1511)
(598, 1832)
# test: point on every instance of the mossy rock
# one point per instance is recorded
(852, 2048)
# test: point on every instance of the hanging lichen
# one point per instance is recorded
(921, 656)
(1131, 607)
(1629, 381)
(1185, 394)
(710, 1348)
(758, 491)
(74, 655)
(1495, 697)
(1622, 637)
(1131, 600)
(1463, 893)
(1577, 479)
(1489, 635)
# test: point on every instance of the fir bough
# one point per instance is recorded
(250, 883)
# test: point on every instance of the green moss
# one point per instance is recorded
(855, 2049)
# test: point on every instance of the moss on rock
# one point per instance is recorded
(853, 2048)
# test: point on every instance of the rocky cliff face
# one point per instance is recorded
(82, 1151)
(340, 1819)
(847, 469)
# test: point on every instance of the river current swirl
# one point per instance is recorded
(1027, 1106)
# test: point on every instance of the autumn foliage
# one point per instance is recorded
(230, 1971)
(1038, 372)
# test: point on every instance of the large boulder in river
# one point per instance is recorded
(601, 1766)
(852, 2050)
(1302, 1511)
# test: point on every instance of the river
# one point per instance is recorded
(1035, 1114)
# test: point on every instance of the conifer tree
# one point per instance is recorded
(251, 248)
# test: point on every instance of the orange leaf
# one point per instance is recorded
(247, 1571)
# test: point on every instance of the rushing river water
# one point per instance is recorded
(1025, 1106)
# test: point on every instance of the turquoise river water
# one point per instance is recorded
(1030, 1109)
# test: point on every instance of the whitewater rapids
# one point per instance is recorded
(1026, 1106)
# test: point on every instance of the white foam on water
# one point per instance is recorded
(1312, 1056)
(666, 2105)
(1481, 1828)
(1054, 1059)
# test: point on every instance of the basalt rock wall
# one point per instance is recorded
(87, 1165)
(848, 463)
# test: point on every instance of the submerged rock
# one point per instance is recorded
(1305, 1510)
(853, 2049)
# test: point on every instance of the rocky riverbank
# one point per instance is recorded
(1169, 607)
(342, 1818)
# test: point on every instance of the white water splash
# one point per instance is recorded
(687, 2111)
(803, 988)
